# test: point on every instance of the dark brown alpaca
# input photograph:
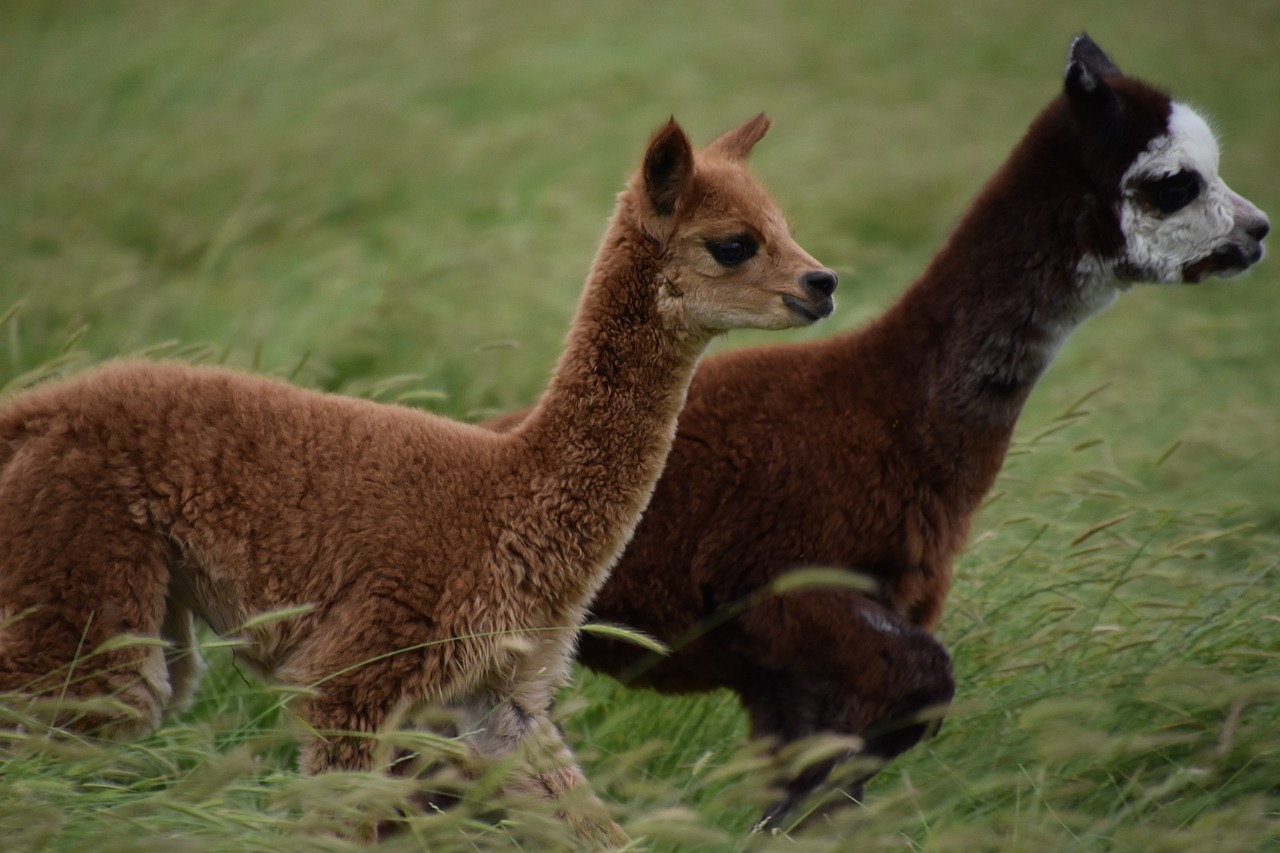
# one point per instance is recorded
(444, 565)
(872, 450)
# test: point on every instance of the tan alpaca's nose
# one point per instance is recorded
(820, 282)
(817, 303)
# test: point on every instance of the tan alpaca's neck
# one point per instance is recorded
(601, 432)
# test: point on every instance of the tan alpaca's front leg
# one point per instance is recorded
(553, 773)
(345, 715)
(341, 737)
(349, 710)
(363, 673)
(546, 768)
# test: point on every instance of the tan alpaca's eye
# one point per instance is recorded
(731, 251)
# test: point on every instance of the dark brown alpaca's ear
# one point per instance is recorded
(738, 142)
(1085, 79)
(668, 166)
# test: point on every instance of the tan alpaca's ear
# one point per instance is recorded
(738, 142)
(668, 167)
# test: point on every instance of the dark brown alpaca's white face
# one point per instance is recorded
(1181, 222)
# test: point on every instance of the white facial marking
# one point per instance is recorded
(1159, 245)
(1096, 288)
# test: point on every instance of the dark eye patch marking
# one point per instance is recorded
(733, 250)
(1171, 193)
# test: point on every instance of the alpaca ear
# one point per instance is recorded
(738, 142)
(668, 167)
(1087, 70)
(1086, 80)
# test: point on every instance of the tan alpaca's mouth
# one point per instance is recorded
(810, 312)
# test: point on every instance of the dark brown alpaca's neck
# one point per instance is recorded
(973, 335)
(601, 432)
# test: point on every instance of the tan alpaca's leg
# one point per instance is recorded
(183, 656)
(344, 726)
(546, 767)
(354, 699)
(553, 773)
(354, 703)
(77, 570)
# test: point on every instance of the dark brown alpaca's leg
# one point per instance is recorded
(835, 662)
(78, 569)
(782, 713)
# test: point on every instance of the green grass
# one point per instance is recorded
(401, 200)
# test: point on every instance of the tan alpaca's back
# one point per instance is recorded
(321, 494)
(419, 561)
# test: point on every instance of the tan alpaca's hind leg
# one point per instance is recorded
(78, 571)
(183, 655)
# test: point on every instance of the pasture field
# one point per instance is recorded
(401, 200)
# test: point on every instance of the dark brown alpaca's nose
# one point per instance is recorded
(821, 281)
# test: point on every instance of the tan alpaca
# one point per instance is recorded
(137, 496)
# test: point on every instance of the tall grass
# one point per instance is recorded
(401, 200)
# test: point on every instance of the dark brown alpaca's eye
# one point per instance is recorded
(732, 251)
(1173, 192)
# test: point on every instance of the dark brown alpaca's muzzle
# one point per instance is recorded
(1242, 249)
(1257, 231)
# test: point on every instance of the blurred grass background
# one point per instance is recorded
(402, 199)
